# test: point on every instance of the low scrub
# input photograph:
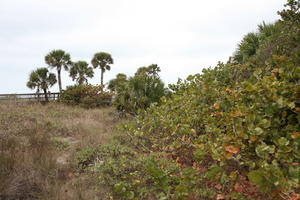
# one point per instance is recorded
(27, 162)
(86, 96)
(37, 144)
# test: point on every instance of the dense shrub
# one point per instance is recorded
(232, 132)
(87, 96)
(139, 91)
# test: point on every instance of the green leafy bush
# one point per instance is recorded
(87, 96)
(139, 91)
(232, 132)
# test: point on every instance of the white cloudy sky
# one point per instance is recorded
(181, 36)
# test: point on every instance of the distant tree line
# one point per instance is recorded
(80, 71)
(129, 93)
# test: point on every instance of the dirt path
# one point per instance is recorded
(65, 156)
(77, 184)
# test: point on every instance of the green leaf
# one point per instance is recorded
(264, 150)
(258, 131)
(256, 177)
(213, 171)
(265, 123)
(294, 173)
(280, 102)
(283, 141)
(130, 194)
(120, 188)
(199, 155)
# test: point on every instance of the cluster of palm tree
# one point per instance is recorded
(80, 71)
(257, 44)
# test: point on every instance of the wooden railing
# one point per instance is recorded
(30, 96)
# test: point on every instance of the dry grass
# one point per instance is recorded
(33, 137)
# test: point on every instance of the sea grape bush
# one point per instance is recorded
(232, 132)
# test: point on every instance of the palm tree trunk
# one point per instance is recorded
(102, 72)
(80, 81)
(38, 93)
(46, 95)
(59, 80)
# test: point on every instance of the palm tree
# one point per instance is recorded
(118, 82)
(247, 47)
(103, 61)
(58, 59)
(80, 71)
(41, 79)
(151, 70)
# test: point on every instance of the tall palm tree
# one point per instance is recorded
(41, 79)
(80, 71)
(103, 61)
(58, 59)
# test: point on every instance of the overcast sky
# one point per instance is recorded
(181, 36)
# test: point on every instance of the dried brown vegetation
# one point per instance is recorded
(37, 146)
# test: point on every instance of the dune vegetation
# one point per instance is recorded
(231, 132)
(40, 147)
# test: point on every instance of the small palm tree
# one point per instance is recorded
(41, 79)
(80, 71)
(103, 61)
(247, 47)
(58, 59)
(118, 82)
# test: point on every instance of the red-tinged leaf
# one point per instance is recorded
(227, 139)
(294, 196)
(295, 135)
(70, 174)
(191, 197)
(237, 114)
(228, 90)
(220, 197)
(217, 106)
(232, 149)
(198, 169)
(238, 187)
(194, 165)
(217, 114)
(218, 186)
(275, 70)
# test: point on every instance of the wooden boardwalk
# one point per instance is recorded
(38, 97)
(29, 97)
